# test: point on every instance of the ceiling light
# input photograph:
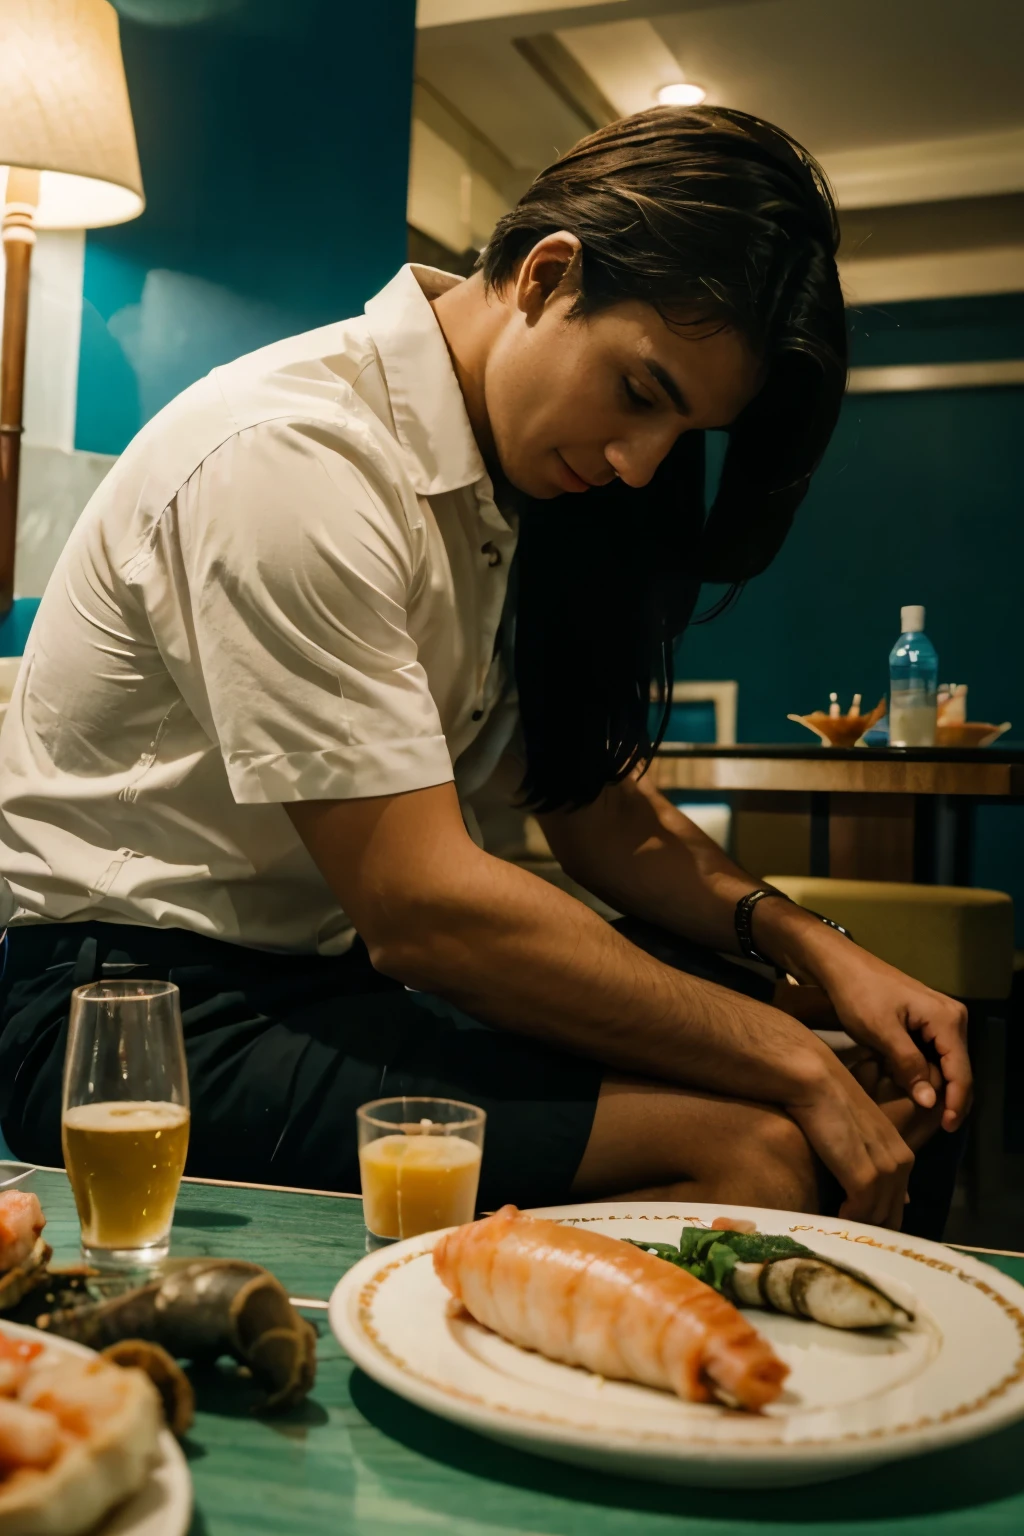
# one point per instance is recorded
(681, 94)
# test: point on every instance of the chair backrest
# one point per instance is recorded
(8, 905)
(14, 632)
(702, 713)
(957, 939)
(14, 628)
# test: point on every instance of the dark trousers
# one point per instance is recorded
(283, 1048)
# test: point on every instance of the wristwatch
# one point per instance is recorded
(744, 922)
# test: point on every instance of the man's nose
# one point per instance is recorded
(634, 459)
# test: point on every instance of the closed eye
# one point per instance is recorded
(635, 398)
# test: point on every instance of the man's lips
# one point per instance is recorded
(570, 479)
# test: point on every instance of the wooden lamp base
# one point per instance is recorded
(19, 236)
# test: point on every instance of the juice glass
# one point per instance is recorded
(419, 1161)
(125, 1120)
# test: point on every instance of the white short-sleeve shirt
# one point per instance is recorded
(289, 587)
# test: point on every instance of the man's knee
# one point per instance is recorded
(775, 1166)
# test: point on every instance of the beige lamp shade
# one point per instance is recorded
(64, 111)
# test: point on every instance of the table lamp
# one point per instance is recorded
(67, 161)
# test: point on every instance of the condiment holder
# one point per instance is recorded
(969, 733)
(837, 729)
(953, 729)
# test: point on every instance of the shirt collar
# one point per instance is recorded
(431, 422)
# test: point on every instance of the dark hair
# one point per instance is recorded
(716, 219)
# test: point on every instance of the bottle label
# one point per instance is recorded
(912, 717)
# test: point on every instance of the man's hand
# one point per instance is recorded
(856, 1141)
(883, 1009)
(440, 914)
(877, 1005)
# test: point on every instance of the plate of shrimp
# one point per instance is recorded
(82, 1442)
(717, 1346)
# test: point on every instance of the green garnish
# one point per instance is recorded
(712, 1255)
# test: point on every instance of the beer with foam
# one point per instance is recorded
(125, 1160)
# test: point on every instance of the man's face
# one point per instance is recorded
(573, 403)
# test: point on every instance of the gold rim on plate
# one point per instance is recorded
(368, 1293)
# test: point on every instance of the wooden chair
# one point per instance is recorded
(953, 938)
(15, 626)
(14, 632)
(704, 712)
(960, 941)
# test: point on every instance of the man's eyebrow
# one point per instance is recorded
(669, 385)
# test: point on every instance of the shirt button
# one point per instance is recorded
(478, 714)
(492, 552)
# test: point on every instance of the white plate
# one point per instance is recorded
(14, 1173)
(163, 1505)
(852, 1400)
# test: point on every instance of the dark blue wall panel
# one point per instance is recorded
(274, 148)
(920, 499)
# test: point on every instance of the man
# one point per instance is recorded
(282, 651)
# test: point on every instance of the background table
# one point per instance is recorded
(356, 1459)
(858, 813)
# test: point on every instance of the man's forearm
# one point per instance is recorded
(637, 852)
(438, 913)
(510, 949)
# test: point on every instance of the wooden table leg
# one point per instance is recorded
(820, 835)
(871, 837)
(954, 839)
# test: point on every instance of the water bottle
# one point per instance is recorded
(913, 683)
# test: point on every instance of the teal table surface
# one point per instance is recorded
(355, 1458)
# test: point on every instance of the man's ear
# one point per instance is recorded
(552, 268)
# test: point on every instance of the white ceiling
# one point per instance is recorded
(904, 101)
(493, 86)
(853, 74)
(441, 13)
(844, 76)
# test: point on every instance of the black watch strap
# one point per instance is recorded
(744, 922)
(743, 919)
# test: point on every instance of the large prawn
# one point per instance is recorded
(21, 1224)
(593, 1301)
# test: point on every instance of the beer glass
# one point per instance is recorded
(125, 1119)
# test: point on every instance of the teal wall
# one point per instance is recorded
(273, 137)
(920, 499)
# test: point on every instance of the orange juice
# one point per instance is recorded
(414, 1184)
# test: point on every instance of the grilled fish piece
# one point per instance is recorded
(756, 1269)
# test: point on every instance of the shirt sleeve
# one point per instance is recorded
(292, 559)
